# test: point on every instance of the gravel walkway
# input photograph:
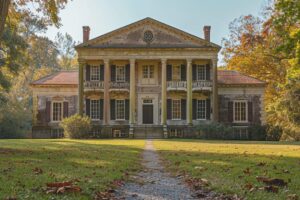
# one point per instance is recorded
(153, 182)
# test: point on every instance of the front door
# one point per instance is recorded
(148, 114)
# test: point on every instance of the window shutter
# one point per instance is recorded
(101, 72)
(87, 72)
(169, 108)
(113, 73)
(208, 109)
(183, 109)
(230, 111)
(194, 108)
(87, 107)
(169, 72)
(66, 109)
(48, 111)
(250, 111)
(112, 109)
(126, 109)
(194, 69)
(101, 108)
(207, 72)
(127, 73)
(183, 73)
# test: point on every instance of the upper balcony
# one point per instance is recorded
(93, 85)
(119, 86)
(176, 86)
(202, 85)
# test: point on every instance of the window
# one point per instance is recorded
(201, 72)
(176, 109)
(201, 109)
(176, 73)
(120, 74)
(95, 73)
(240, 111)
(148, 71)
(57, 111)
(120, 109)
(95, 109)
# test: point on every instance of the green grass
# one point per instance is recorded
(95, 163)
(222, 163)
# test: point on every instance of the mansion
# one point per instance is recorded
(147, 80)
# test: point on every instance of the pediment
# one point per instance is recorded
(148, 33)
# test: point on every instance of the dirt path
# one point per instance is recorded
(153, 182)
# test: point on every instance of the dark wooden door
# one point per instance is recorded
(147, 114)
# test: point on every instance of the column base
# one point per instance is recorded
(131, 132)
(165, 131)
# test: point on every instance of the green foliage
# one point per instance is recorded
(258, 132)
(76, 126)
(214, 131)
(274, 133)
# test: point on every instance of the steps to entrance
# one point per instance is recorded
(148, 132)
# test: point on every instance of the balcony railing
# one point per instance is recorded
(93, 85)
(202, 85)
(176, 85)
(119, 85)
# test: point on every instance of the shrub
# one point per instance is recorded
(76, 126)
(258, 132)
(214, 131)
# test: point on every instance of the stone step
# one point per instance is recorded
(148, 132)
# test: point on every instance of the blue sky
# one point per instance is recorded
(189, 15)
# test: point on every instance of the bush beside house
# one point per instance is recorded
(76, 126)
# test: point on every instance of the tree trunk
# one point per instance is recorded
(4, 5)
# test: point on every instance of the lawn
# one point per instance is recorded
(26, 166)
(232, 166)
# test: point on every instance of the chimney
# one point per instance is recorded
(86, 33)
(206, 30)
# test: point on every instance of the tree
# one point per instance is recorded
(269, 49)
(65, 46)
(47, 10)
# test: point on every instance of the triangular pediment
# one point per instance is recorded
(148, 33)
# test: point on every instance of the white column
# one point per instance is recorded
(189, 92)
(132, 92)
(163, 91)
(215, 90)
(106, 91)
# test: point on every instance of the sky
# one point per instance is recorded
(188, 15)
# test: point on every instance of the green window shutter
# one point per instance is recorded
(194, 108)
(207, 71)
(113, 73)
(230, 111)
(101, 108)
(208, 109)
(66, 109)
(87, 107)
(183, 72)
(126, 109)
(127, 73)
(112, 109)
(169, 72)
(101, 72)
(169, 108)
(194, 69)
(48, 111)
(87, 72)
(250, 111)
(183, 109)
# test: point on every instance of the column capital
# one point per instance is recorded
(214, 61)
(189, 60)
(106, 61)
(132, 61)
(163, 61)
(81, 61)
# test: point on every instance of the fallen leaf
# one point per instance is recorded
(272, 181)
(271, 188)
(261, 164)
(37, 170)
(247, 171)
(292, 197)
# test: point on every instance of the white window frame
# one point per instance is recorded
(149, 69)
(246, 111)
(62, 110)
(197, 75)
(173, 118)
(177, 74)
(116, 109)
(95, 72)
(205, 106)
(119, 77)
(91, 110)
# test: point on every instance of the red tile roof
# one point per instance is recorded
(59, 78)
(230, 77)
(225, 77)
